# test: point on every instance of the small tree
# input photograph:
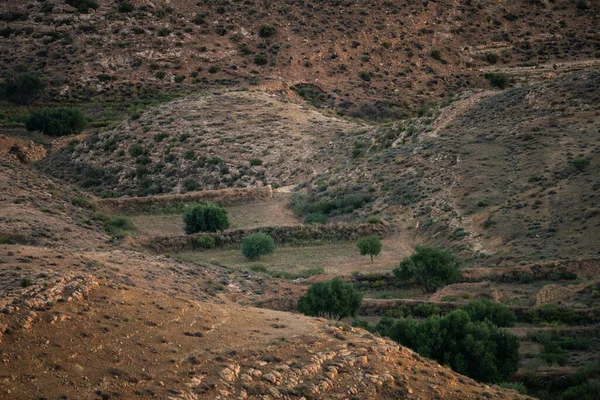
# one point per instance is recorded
(369, 246)
(56, 121)
(257, 244)
(332, 299)
(22, 89)
(430, 268)
(205, 218)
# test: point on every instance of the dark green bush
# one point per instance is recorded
(430, 268)
(476, 349)
(56, 121)
(22, 89)
(125, 7)
(83, 5)
(260, 59)
(496, 313)
(580, 164)
(370, 246)
(498, 80)
(256, 245)
(266, 31)
(331, 299)
(205, 218)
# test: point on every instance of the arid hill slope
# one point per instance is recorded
(88, 320)
(354, 52)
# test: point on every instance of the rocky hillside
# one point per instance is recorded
(388, 55)
(87, 319)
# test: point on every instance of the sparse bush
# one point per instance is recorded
(332, 299)
(189, 185)
(256, 162)
(83, 5)
(498, 80)
(84, 202)
(119, 227)
(369, 246)
(430, 268)
(56, 121)
(256, 245)
(315, 218)
(205, 218)
(518, 386)
(206, 242)
(436, 54)
(22, 89)
(266, 31)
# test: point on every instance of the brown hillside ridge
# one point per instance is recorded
(349, 53)
(83, 321)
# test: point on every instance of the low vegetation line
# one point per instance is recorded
(222, 197)
(280, 234)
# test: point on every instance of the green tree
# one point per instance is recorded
(205, 218)
(478, 349)
(331, 299)
(430, 268)
(56, 121)
(369, 246)
(256, 245)
(23, 88)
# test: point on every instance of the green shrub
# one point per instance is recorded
(580, 164)
(496, 313)
(206, 242)
(315, 218)
(189, 185)
(473, 348)
(56, 121)
(84, 202)
(370, 246)
(119, 227)
(83, 5)
(205, 218)
(255, 245)
(266, 31)
(518, 386)
(125, 7)
(430, 268)
(498, 80)
(256, 162)
(22, 89)
(332, 299)
(260, 59)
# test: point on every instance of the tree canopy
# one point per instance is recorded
(369, 246)
(331, 299)
(430, 268)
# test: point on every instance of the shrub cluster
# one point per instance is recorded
(498, 80)
(474, 348)
(23, 88)
(303, 205)
(56, 121)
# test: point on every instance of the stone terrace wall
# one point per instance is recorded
(222, 197)
(281, 234)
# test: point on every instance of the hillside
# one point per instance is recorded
(393, 56)
(312, 199)
(92, 320)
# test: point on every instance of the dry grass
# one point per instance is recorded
(341, 258)
(272, 212)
